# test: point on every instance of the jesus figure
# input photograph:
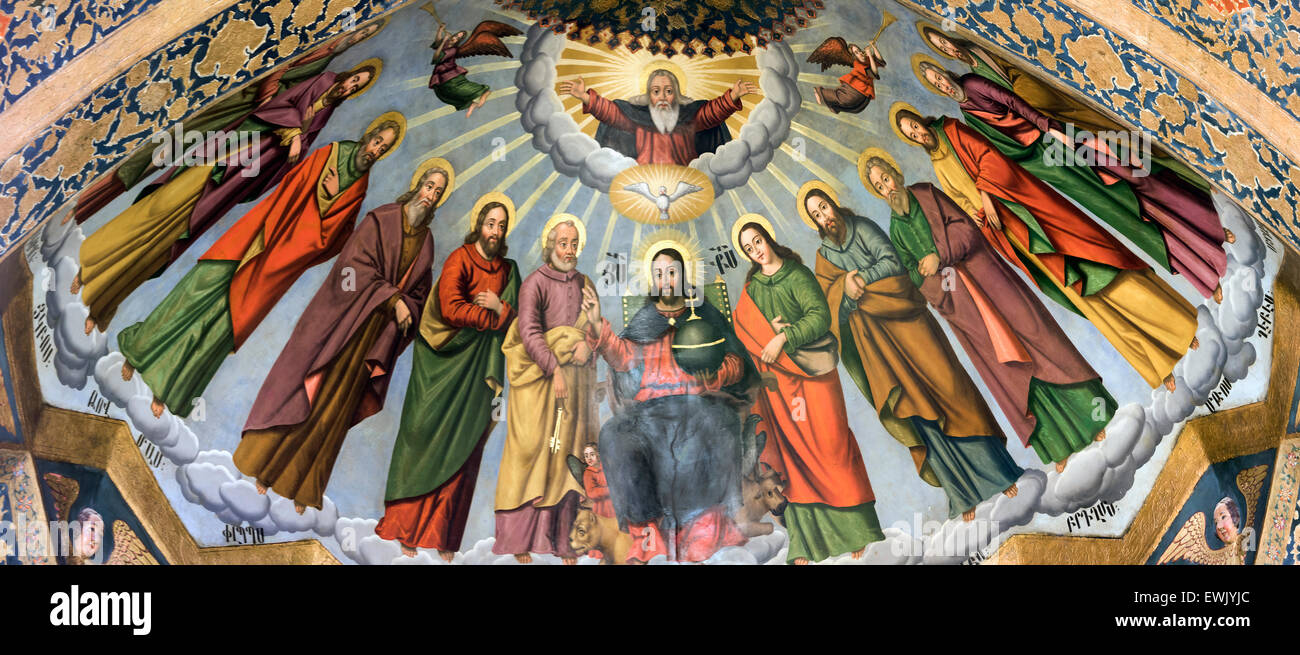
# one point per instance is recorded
(662, 126)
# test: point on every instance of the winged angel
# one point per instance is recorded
(127, 547)
(663, 199)
(448, 81)
(1190, 544)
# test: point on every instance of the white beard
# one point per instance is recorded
(560, 265)
(665, 120)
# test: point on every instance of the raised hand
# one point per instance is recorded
(591, 305)
(575, 87)
(741, 89)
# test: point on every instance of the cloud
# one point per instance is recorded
(574, 153)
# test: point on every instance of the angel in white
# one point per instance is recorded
(663, 199)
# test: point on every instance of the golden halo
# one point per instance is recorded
(560, 218)
(917, 60)
(863, 173)
(655, 64)
(436, 162)
(689, 259)
(395, 116)
(741, 223)
(893, 120)
(922, 26)
(373, 62)
(802, 198)
(494, 196)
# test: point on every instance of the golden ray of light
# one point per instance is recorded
(717, 222)
(464, 138)
(423, 81)
(484, 162)
(774, 214)
(782, 178)
(818, 108)
(514, 16)
(690, 226)
(817, 171)
(851, 120)
(826, 142)
(736, 202)
(506, 183)
(536, 195)
(563, 205)
(802, 47)
(447, 110)
(609, 229)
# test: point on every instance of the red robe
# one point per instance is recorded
(593, 483)
(1069, 230)
(818, 454)
(653, 147)
(295, 236)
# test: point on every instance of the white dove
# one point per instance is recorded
(663, 200)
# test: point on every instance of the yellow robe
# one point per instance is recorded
(1142, 317)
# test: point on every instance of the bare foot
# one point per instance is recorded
(1101, 436)
(67, 217)
(1218, 294)
(478, 103)
(1060, 466)
(1229, 236)
(261, 488)
(157, 407)
(90, 325)
(127, 371)
(446, 555)
(800, 561)
(1169, 382)
(569, 561)
(1196, 343)
(968, 515)
(76, 284)
(524, 558)
(408, 551)
(818, 97)
(1011, 491)
(299, 508)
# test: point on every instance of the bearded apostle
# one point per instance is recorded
(227, 113)
(1073, 261)
(334, 371)
(212, 311)
(672, 457)
(898, 357)
(457, 373)
(784, 323)
(663, 126)
(175, 210)
(1053, 399)
(551, 412)
(1172, 221)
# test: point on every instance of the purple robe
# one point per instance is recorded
(1189, 224)
(337, 310)
(984, 292)
(547, 299)
(446, 68)
(286, 110)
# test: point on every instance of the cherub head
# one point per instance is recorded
(1227, 520)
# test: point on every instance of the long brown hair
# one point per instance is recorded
(477, 230)
(840, 210)
(781, 251)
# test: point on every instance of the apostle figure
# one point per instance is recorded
(672, 457)
(1074, 261)
(551, 411)
(185, 202)
(222, 115)
(449, 81)
(662, 126)
(784, 323)
(857, 87)
(1172, 221)
(1053, 399)
(334, 371)
(457, 374)
(213, 309)
(899, 358)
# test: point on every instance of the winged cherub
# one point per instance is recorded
(1238, 536)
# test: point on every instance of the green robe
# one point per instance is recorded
(817, 530)
(448, 406)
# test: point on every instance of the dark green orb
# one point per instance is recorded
(698, 346)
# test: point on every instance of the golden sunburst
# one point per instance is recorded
(639, 192)
(620, 74)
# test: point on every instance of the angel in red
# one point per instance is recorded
(448, 80)
(857, 87)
